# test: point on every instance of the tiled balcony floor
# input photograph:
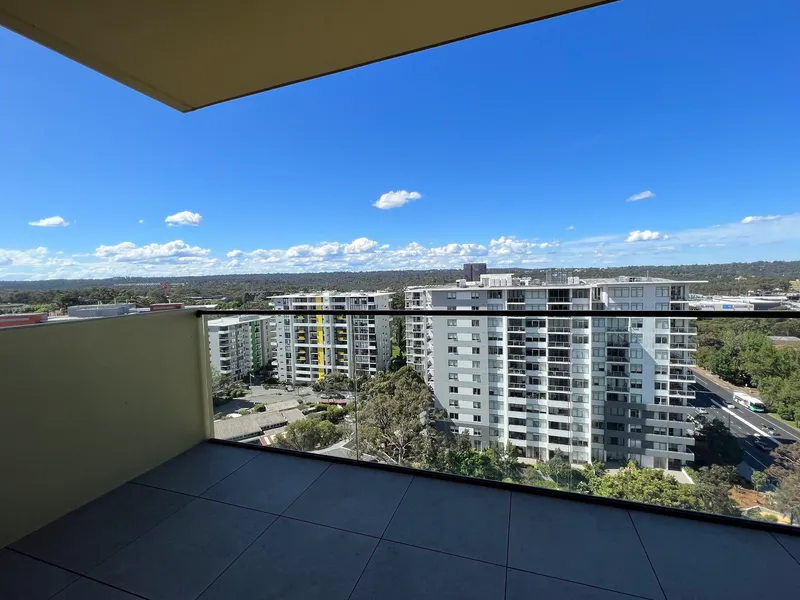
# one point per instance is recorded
(220, 522)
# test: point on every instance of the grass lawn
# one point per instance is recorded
(792, 424)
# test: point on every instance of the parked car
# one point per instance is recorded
(762, 445)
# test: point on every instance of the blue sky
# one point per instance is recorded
(523, 147)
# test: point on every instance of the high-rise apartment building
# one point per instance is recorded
(239, 345)
(608, 388)
(307, 346)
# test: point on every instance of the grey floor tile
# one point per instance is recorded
(197, 469)
(463, 519)
(269, 482)
(87, 536)
(351, 497)
(180, 557)
(400, 572)
(521, 585)
(296, 560)
(581, 542)
(86, 589)
(791, 543)
(694, 559)
(23, 578)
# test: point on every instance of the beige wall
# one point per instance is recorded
(88, 405)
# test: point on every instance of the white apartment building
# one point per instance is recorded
(608, 388)
(239, 345)
(309, 346)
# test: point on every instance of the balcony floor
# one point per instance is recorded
(222, 522)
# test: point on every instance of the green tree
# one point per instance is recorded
(308, 434)
(393, 410)
(712, 487)
(642, 484)
(785, 461)
(786, 498)
(716, 445)
(759, 480)
(333, 383)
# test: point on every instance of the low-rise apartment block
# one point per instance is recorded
(307, 346)
(239, 345)
(609, 388)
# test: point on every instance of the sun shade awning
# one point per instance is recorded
(194, 53)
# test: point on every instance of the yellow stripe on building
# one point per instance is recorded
(320, 342)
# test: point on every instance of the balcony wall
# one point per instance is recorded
(88, 405)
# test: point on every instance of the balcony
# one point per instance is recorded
(115, 492)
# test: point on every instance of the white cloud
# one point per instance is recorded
(184, 218)
(748, 220)
(644, 236)
(571, 227)
(141, 221)
(640, 196)
(49, 222)
(234, 253)
(396, 199)
(175, 251)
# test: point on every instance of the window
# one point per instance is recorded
(451, 295)
(580, 383)
(598, 337)
(662, 292)
(637, 306)
(454, 416)
(613, 426)
(637, 323)
(616, 411)
(452, 376)
(598, 410)
(620, 292)
(580, 369)
(495, 405)
(476, 364)
(598, 397)
(637, 292)
(661, 369)
(636, 338)
(598, 352)
(495, 294)
(453, 403)
(476, 322)
(476, 350)
(636, 368)
(579, 412)
(451, 308)
(635, 413)
(580, 339)
(660, 385)
(636, 398)
(453, 389)
(476, 405)
(451, 322)
(637, 353)
(475, 295)
(476, 418)
(662, 306)
(452, 336)
(635, 428)
(452, 350)
(599, 322)
(614, 441)
(495, 336)
(580, 354)
(498, 350)
(476, 378)
(476, 391)
(476, 308)
(662, 339)
(598, 366)
(659, 446)
(495, 322)
(634, 443)
(580, 294)
(452, 363)
(476, 337)
(662, 323)
(636, 384)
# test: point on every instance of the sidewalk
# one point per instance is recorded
(727, 385)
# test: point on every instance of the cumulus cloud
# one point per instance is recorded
(184, 217)
(748, 220)
(640, 196)
(175, 251)
(49, 222)
(396, 199)
(644, 236)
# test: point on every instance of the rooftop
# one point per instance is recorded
(509, 280)
(220, 521)
(331, 293)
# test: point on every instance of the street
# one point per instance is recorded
(713, 397)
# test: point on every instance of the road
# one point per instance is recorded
(713, 396)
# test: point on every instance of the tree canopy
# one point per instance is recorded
(715, 444)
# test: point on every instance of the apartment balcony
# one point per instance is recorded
(115, 491)
(617, 359)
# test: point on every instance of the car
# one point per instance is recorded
(730, 406)
(702, 411)
(768, 429)
(762, 445)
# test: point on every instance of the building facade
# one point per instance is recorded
(309, 346)
(239, 345)
(609, 388)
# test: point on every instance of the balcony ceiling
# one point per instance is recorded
(190, 54)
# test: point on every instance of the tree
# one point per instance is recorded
(638, 484)
(715, 444)
(759, 480)
(333, 383)
(786, 498)
(308, 434)
(711, 489)
(393, 410)
(559, 470)
(785, 461)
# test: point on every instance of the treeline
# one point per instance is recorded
(249, 291)
(740, 352)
